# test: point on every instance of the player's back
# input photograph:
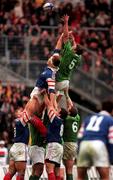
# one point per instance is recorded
(69, 61)
(71, 125)
(21, 132)
(35, 136)
(97, 127)
(43, 77)
(55, 130)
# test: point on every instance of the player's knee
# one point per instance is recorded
(38, 169)
(12, 171)
(69, 166)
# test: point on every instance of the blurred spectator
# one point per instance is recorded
(12, 97)
(23, 33)
(3, 153)
(18, 12)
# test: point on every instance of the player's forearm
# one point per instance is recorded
(66, 93)
(59, 43)
(65, 30)
(72, 38)
(52, 98)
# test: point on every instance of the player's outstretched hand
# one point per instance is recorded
(65, 18)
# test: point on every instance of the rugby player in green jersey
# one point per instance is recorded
(71, 127)
(69, 61)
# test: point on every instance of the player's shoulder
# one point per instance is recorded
(47, 71)
(58, 120)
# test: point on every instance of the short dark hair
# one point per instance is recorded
(73, 112)
(63, 113)
(107, 105)
(56, 62)
(79, 49)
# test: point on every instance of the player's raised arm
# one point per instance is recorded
(65, 28)
(59, 43)
(72, 39)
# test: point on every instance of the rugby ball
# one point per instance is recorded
(48, 6)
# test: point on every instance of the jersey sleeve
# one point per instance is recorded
(51, 82)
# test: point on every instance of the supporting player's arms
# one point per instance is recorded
(68, 99)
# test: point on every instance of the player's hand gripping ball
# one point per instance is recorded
(48, 7)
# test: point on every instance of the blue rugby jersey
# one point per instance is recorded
(55, 128)
(46, 80)
(98, 127)
(21, 132)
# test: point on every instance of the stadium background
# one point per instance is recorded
(27, 38)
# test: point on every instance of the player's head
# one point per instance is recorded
(78, 49)
(107, 105)
(63, 113)
(73, 111)
(54, 60)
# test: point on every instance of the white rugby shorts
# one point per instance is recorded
(92, 153)
(18, 152)
(54, 152)
(60, 86)
(36, 154)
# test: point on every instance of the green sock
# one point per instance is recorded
(34, 177)
(69, 177)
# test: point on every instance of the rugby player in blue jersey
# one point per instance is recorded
(19, 151)
(96, 142)
(54, 150)
(44, 83)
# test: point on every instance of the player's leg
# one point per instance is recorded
(69, 156)
(21, 155)
(54, 153)
(37, 156)
(31, 107)
(50, 169)
(104, 172)
(11, 170)
(20, 167)
(35, 104)
(81, 173)
(69, 168)
(57, 172)
(102, 160)
(63, 89)
(84, 159)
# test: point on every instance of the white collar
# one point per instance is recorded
(105, 113)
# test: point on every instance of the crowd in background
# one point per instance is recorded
(92, 25)
(91, 22)
(11, 98)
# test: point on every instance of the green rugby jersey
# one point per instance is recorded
(68, 62)
(71, 126)
(35, 137)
